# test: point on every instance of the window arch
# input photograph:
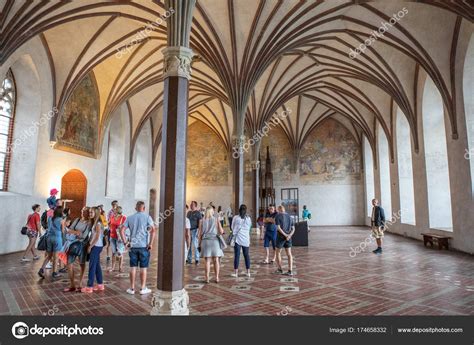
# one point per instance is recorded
(384, 171)
(405, 169)
(436, 158)
(7, 115)
(368, 176)
(468, 86)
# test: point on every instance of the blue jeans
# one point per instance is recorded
(195, 244)
(95, 271)
(237, 256)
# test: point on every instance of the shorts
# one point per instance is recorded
(281, 242)
(139, 257)
(31, 233)
(118, 247)
(54, 243)
(377, 232)
(270, 236)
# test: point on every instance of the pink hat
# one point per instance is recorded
(53, 191)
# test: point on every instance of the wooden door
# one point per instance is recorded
(74, 187)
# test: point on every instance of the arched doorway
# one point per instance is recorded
(74, 187)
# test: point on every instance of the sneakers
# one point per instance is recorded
(99, 287)
(377, 251)
(235, 275)
(56, 275)
(87, 290)
(145, 291)
(289, 273)
(23, 259)
(197, 262)
(248, 274)
(279, 271)
(36, 257)
(41, 273)
(131, 291)
(49, 265)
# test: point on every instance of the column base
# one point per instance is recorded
(170, 303)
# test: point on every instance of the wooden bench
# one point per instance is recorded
(442, 241)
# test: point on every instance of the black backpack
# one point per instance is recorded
(44, 220)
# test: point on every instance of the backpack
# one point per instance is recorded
(44, 220)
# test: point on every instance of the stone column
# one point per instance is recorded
(171, 298)
(237, 171)
(255, 189)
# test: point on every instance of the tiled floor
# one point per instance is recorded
(407, 279)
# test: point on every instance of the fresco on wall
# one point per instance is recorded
(77, 129)
(207, 163)
(280, 154)
(330, 155)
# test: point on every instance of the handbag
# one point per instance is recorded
(222, 243)
(75, 249)
(24, 229)
(42, 242)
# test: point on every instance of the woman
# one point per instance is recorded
(209, 229)
(33, 226)
(81, 228)
(241, 226)
(94, 249)
(54, 241)
(117, 243)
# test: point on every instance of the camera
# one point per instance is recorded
(21, 331)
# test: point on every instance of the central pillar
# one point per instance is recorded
(255, 165)
(171, 298)
(238, 171)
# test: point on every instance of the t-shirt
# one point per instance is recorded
(284, 221)
(33, 221)
(188, 223)
(114, 225)
(139, 223)
(51, 201)
(100, 241)
(194, 218)
(83, 227)
(270, 227)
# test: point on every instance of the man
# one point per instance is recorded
(378, 224)
(286, 229)
(270, 233)
(229, 215)
(195, 217)
(140, 244)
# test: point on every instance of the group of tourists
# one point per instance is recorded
(69, 241)
(204, 232)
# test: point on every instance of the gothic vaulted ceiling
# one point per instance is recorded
(253, 58)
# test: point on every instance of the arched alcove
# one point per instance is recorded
(74, 187)
(384, 170)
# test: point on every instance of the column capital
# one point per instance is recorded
(170, 303)
(177, 62)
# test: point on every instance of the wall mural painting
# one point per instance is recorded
(330, 155)
(207, 163)
(280, 154)
(77, 129)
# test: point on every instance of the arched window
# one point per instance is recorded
(405, 169)
(436, 158)
(7, 114)
(115, 157)
(468, 86)
(369, 176)
(143, 159)
(384, 165)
